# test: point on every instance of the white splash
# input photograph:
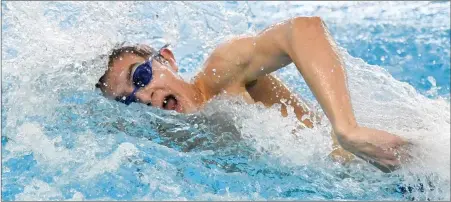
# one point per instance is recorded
(39, 190)
(109, 164)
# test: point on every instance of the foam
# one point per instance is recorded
(30, 138)
(109, 164)
(38, 189)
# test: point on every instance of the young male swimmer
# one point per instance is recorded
(242, 67)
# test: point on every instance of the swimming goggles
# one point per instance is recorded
(142, 76)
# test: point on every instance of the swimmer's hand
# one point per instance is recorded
(380, 148)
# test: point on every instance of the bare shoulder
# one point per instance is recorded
(226, 63)
(235, 51)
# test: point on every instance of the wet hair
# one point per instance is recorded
(141, 50)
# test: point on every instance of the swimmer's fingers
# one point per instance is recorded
(380, 148)
(387, 164)
(393, 158)
(386, 159)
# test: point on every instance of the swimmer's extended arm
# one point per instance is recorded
(306, 42)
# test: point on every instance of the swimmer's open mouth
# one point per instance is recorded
(170, 102)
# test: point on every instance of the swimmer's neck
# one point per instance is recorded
(196, 94)
(204, 90)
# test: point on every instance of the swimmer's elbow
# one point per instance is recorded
(311, 19)
(313, 23)
(302, 32)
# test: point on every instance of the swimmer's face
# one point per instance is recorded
(167, 90)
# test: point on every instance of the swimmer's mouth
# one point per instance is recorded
(170, 102)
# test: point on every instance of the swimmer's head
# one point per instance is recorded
(166, 89)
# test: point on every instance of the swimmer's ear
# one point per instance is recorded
(169, 56)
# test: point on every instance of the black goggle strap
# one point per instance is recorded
(129, 99)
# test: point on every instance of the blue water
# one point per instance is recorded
(62, 140)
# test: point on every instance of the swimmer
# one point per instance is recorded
(242, 67)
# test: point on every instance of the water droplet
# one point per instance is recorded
(162, 76)
(196, 126)
(214, 70)
(432, 80)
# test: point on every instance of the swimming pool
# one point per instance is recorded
(62, 140)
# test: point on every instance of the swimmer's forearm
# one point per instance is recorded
(313, 52)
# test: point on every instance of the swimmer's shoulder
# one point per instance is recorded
(226, 64)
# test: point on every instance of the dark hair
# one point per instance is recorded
(141, 50)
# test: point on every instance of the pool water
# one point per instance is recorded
(61, 140)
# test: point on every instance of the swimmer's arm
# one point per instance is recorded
(306, 42)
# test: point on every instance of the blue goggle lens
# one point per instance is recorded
(143, 74)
